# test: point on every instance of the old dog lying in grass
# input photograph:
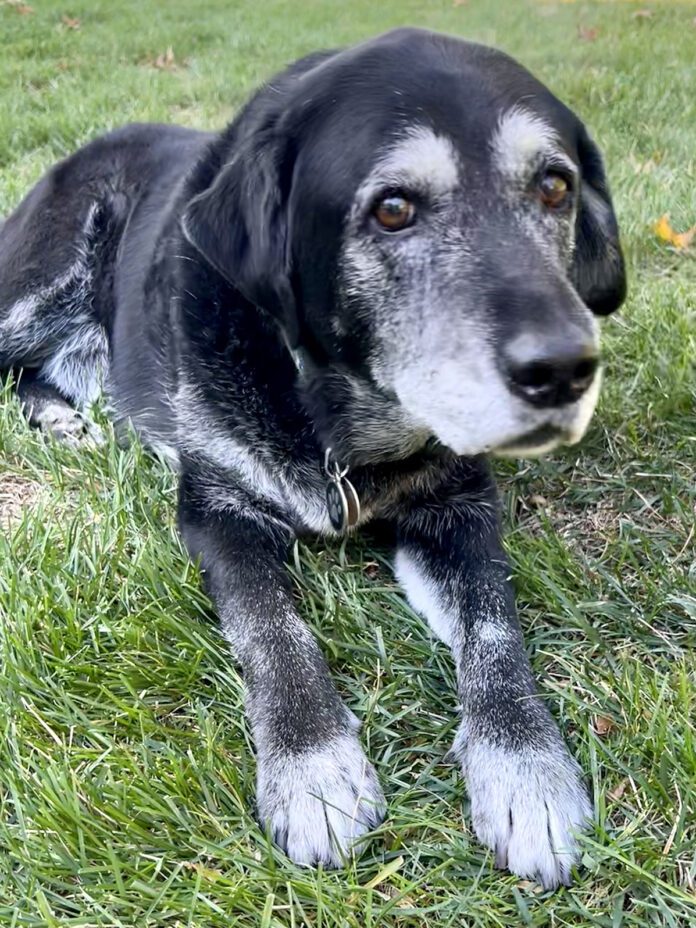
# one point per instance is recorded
(384, 270)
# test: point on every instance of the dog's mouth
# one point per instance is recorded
(538, 440)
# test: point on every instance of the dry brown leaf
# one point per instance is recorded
(642, 14)
(664, 231)
(603, 725)
(387, 891)
(618, 791)
(588, 33)
(70, 22)
(207, 873)
(459, 2)
(530, 886)
(166, 61)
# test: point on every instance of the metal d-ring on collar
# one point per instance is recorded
(342, 501)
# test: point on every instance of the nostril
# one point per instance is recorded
(554, 380)
(583, 372)
(535, 377)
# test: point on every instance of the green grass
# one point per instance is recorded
(126, 769)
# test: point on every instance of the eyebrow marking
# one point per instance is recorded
(422, 159)
(521, 138)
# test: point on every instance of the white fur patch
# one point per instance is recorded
(77, 369)
(198, 431)
(78, 365)
(421, 160)
(449, 384)
(520, 139)
(318, 804)
(424, 596)
(17, 332)
(66, 424)
(527, 807)
(166, 452)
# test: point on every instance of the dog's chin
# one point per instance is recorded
(533, 444)
(543, 438)
(525, 442)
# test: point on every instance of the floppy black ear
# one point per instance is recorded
(240, 226)
(598, 267)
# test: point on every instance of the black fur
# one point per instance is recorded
(214, 267)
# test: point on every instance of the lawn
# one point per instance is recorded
(126, 768)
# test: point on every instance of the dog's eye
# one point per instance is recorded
(394, 213)
(554, 190)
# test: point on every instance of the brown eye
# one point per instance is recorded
(554, 190)
(394, 213)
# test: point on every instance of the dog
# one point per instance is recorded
(387, 269)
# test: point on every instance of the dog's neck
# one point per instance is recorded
(361, 424)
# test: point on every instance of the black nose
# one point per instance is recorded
(551, 374)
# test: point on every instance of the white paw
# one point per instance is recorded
(67, 425)
(319, 803)
(528, 807)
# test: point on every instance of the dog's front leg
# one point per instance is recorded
(316, 790)
(527, 797)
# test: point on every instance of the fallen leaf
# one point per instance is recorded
(642, 14)
(603, 725)
(664, 231)
(166, 61)
(537, 501)
(588, 33)
(618, 791)
(207, 873)
(459, 2)
(70, 22)
(530, 886)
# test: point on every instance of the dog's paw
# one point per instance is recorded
(528, 807)
(66, 425)
(319, 803)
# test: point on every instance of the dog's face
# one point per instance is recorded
(443, 239)
(460, 261)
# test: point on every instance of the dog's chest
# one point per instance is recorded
(299, 489)
(328, 500)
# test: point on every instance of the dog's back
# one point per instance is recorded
(58, 250)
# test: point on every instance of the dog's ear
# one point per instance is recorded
(240, 226)
(598, 266)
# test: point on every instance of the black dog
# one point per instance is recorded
(384, 269)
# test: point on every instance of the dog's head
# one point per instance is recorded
(435, 228)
